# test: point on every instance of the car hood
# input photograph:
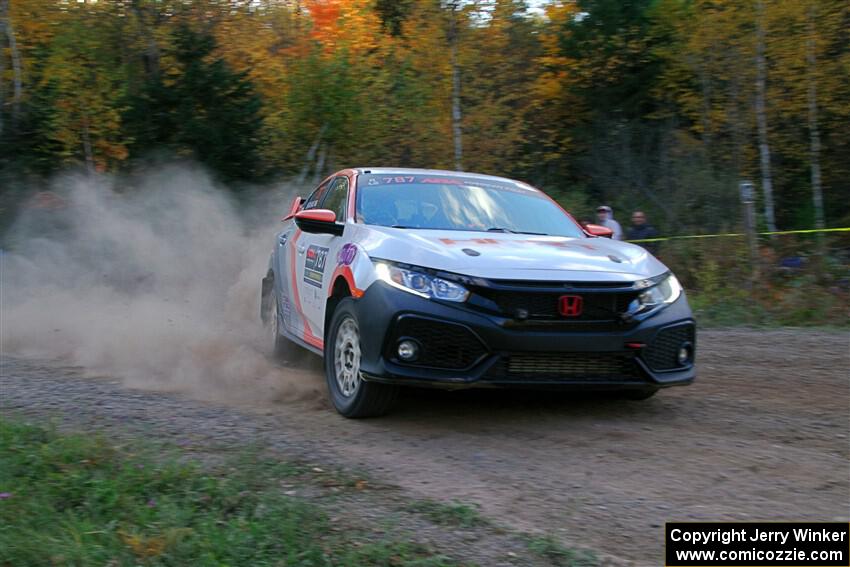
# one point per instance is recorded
(510, 256)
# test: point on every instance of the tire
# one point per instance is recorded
(637, 395)
(350, 395)
(271, 321)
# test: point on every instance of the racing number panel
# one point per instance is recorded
(314, 265)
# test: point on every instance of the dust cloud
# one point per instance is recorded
(157, 284)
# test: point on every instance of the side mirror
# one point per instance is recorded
(296, 204)
(598, 230)
(318, 221)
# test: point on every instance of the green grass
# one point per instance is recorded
(799, 307)
(449, 514)
(549, 548)
(80, 500)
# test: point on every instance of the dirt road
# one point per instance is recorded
(762, 435)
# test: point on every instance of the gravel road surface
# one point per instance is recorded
(762, 435)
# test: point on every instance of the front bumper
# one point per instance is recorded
(464, 348)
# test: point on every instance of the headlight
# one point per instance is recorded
(419, 283)
(665, 292)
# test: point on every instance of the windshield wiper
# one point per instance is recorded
(501, 229)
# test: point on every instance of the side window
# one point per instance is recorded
(315, 198)
(337, 198)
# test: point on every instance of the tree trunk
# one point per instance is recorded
(4, 7)
(319, 174)
(17, 75)
(15, 55)
(87, 150)
(150, 57)
(737, 135)
(456, 109)
(761, 118)
(456, 114)
(310, 158)
(814, 134)
(705, 89)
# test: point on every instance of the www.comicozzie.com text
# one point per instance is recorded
(743, 534)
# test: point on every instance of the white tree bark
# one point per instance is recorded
(319, 174)
(3, 8)
(456, 113)
(457, 116)
(151, 59)
(814, 134)
(17, 75)
(309, 159)
(87, 148)
(15, 56)
(761, 118)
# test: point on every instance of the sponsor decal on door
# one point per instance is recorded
(314, 265)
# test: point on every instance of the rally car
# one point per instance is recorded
(437, 278)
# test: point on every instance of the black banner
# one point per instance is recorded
(757, 544)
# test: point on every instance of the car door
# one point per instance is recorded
(316, 257)
(290, 267)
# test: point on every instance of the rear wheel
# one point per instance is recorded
(277, 343)
(350, 394)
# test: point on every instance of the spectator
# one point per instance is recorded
(641, 229)
(605, 217)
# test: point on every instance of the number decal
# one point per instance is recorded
(399, 179)
(314, 265)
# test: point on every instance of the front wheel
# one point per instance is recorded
(350, 394)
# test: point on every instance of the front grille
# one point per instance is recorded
(572, 366)
(662, 353)
(443, 345)
(597, 306)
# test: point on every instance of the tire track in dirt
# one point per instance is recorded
(761, 435)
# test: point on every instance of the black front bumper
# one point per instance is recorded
(462, 348)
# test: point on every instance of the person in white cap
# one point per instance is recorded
(605, 217)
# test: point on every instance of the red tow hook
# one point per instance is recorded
(635, 345)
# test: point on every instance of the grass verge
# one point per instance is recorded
(550, 549)
(449, 514)
(81, 500)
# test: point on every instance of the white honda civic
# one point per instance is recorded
(449, 279)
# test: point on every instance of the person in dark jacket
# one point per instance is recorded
(641, 229)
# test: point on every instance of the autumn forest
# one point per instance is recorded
(657, 104)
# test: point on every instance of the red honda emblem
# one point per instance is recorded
(570, 305)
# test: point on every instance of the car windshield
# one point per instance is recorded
(458, 202)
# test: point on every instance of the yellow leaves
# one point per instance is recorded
(560, 12)
(34, 21)
(145, 547)
(250, 43)
(549, 86)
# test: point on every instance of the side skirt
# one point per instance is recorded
(301, 342)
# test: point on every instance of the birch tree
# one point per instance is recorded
(814, 134)
(8, 35)
(761, 118)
